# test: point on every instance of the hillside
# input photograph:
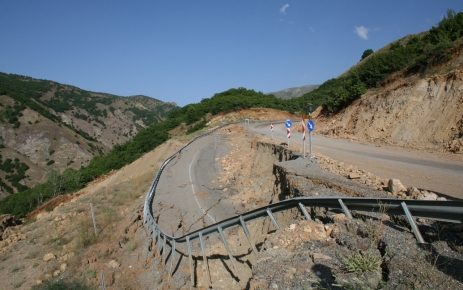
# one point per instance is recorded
(294, 92)
(407, 110)
(44, 125)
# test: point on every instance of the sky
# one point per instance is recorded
(185, 51)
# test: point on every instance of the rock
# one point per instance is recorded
(339, 217)
(318, 256)
(48, 257)
(38, 281)
(425, 195)
(56, 273)
(113, 264)
(413, 192)
(353, 176)
(292, 227)
(63, 267)
(441, 198)
(395, 186)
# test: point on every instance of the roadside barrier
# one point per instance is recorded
(447, 211)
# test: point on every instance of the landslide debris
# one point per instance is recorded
(371, 251)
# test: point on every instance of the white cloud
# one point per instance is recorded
(362, 31)
(283, 9)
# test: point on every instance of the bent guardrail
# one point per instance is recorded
(448, 211)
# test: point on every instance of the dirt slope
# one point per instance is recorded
(59, 243)
(408, 111)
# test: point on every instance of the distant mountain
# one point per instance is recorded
(44, 125)
(294, 92)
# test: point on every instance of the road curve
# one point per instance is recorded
(189, 196)
(418, 169)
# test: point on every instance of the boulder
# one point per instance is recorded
(48, 257)
(425, 195)
(113, 264)
(413, 192)
(395, 186)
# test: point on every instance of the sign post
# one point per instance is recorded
(310, 126)
(288, 125)
(303, 136)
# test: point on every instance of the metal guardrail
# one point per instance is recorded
(448, 211)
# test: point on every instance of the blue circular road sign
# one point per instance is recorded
(310, 125)
(288, 124)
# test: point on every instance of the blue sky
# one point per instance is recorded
(184, 51)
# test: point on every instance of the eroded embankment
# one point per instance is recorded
(370, 251)
(373, 250)
(270, 173)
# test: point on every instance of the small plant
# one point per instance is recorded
(61, 285)
(360, 263)
(131, 246)
(90, 273)
(15, 269)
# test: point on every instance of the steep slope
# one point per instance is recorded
(408, 110)
(44, 125)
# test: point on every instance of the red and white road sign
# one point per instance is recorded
(288, 133)
(271, 127)
(303, 129)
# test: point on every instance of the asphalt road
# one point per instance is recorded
(419, 169)
(189, 196)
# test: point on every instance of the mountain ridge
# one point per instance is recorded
(45, 125)
(294, 92)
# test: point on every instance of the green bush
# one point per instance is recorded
(62, 285)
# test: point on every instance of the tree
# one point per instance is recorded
(367, 53)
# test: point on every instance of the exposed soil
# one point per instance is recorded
(409, 111)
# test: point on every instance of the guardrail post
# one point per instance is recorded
(232, 259)
(344, 208)
(269, 212)
(246, 233)
(103, 284)
(154, 234)
(190, 262)
(412, 223)
(208, 274)
(304, 211)
(172, 259)
(164, 255)
(158, 243)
